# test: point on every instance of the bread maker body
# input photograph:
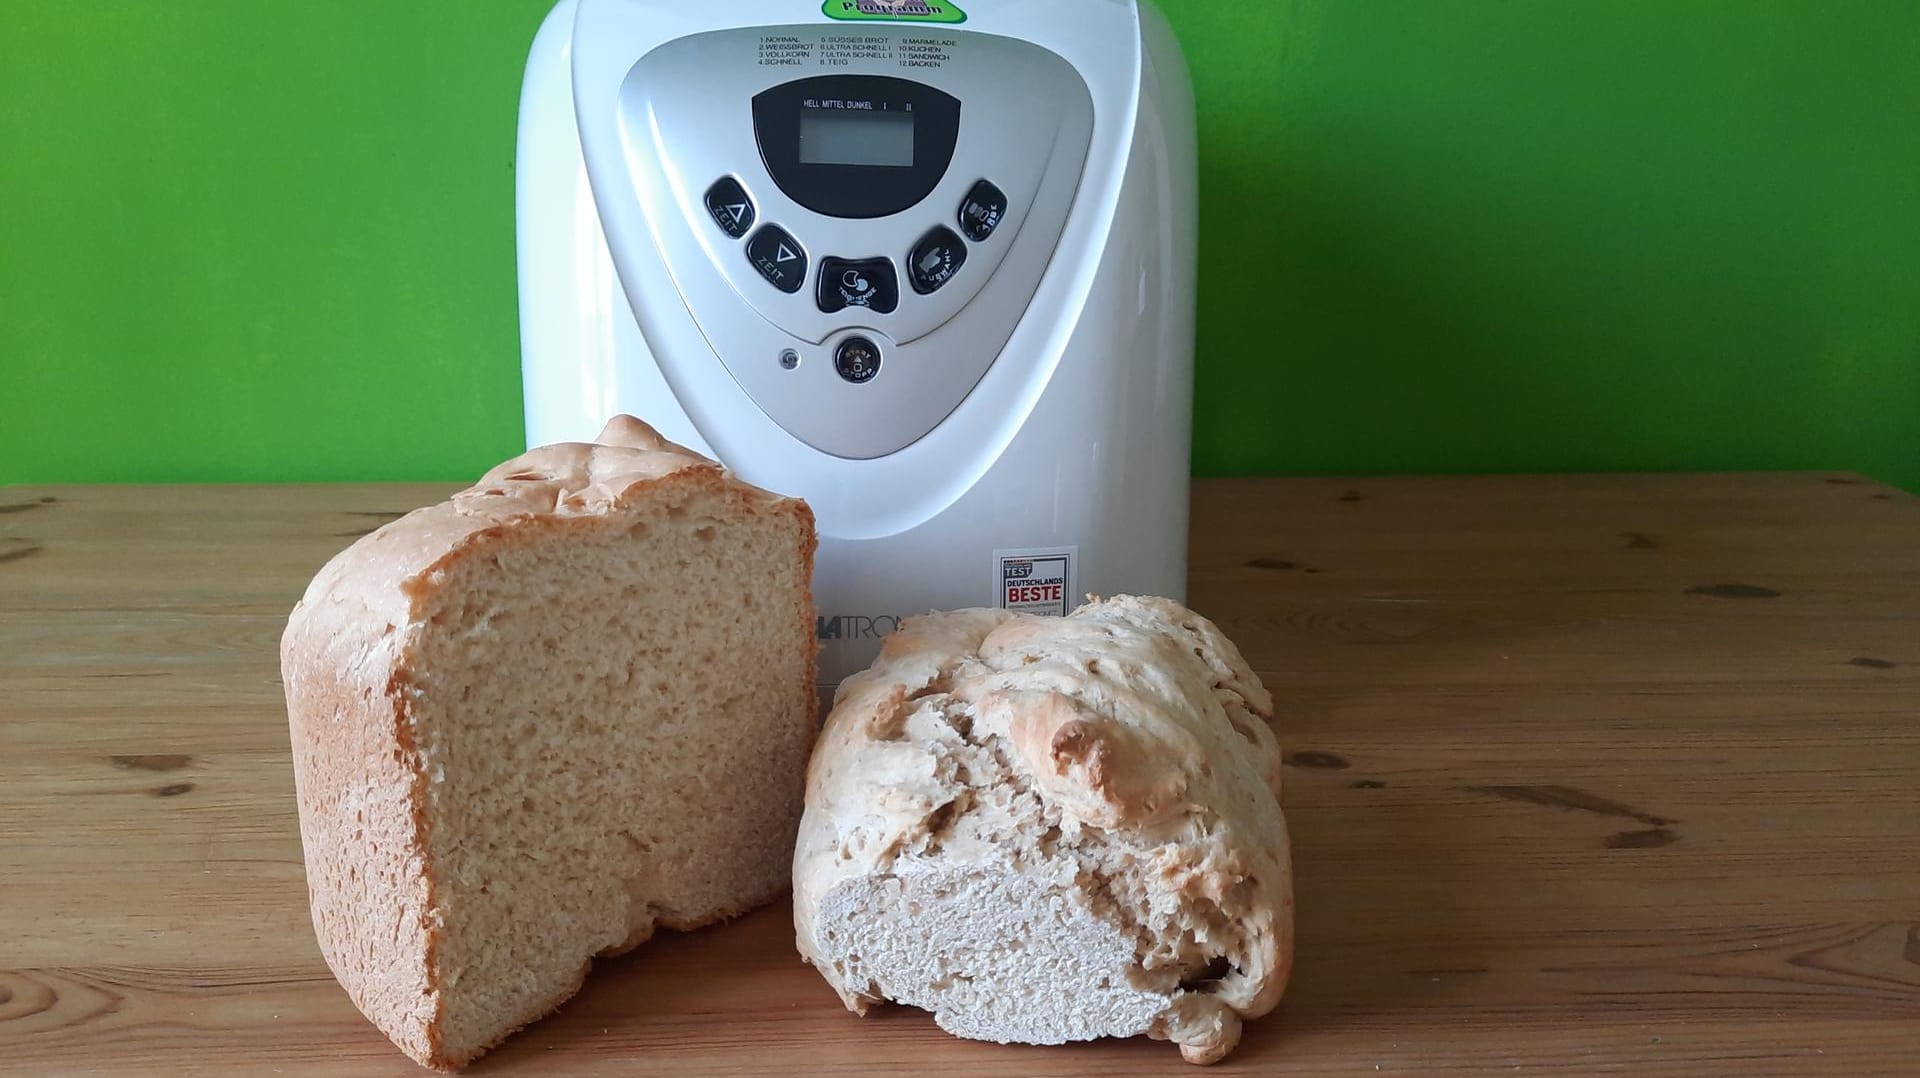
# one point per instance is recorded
(931, 271)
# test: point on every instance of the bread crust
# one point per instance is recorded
(1134, 724)
(358, 772)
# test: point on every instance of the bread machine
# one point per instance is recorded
(929, 268)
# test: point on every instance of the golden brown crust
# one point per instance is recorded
(356, 771)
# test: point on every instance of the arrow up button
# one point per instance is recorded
(730, 207)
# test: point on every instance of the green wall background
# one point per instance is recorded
(246, 241)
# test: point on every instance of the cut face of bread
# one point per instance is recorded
(995, 955)
(535, 723)
(1046, 830)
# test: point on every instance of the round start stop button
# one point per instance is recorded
(857, 359)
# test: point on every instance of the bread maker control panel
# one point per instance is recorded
(856, 219)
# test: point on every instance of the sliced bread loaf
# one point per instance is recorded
(536, 722)
(1046, 830)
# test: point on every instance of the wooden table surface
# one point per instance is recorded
(1587, 774)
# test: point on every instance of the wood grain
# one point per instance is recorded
(1586, 774)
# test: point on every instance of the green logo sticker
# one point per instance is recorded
(893, 10)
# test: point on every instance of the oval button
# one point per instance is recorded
(935, 259)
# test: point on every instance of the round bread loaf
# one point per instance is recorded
(1052, 829)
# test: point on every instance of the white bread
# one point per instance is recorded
(1046, 830)
(536, 722)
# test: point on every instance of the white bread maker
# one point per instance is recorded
(930, 269)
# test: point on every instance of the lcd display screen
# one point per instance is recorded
(856, 137)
